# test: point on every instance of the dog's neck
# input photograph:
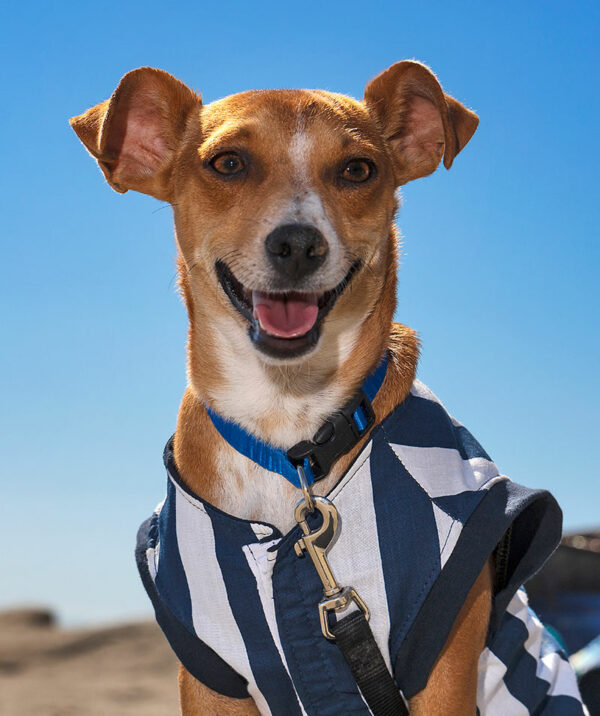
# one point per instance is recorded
(280, 405)
(283, 405)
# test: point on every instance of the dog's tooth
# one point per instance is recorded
(254, 296)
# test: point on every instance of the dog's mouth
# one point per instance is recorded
(283, 324)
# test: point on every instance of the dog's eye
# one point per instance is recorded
(357, 170)
(228, 163)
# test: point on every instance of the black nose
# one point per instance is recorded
(296, 250)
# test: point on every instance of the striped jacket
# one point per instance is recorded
(422, 508)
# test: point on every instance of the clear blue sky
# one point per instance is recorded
(499, 275)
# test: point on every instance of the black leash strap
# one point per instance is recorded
(355, 640)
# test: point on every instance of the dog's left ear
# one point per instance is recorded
(420, 123)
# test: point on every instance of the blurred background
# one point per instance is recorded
(499, 270)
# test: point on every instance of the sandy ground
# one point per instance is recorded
(115, 671)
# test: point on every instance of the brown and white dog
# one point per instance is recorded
(284, 202)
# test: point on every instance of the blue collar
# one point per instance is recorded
(351, 423)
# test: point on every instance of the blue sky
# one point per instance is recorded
(499, 273)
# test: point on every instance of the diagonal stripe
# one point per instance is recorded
(522, 667)
(551, 667)
(421, 422)
(420, 390)
(493, 697)
(442, 471)
(461, 505)
(402, 540)
(448, 532)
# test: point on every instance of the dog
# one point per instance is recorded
(284, 204)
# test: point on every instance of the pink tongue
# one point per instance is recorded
(285, 316)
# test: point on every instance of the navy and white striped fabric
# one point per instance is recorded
(422, 508)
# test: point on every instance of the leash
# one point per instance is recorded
(355, 640)
(352, 634)
(302, 465)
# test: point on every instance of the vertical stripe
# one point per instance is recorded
(152, 560)
(198, 658)
(171, 580)
(244, 597)
(261, 559)
(153, 546)
(355, 558)
(212, 616)
(321, 676)
(402, 507)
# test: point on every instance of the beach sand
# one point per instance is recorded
(113, 671)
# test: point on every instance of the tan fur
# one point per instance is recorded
(196, 699)
(452, 686)
(154, 135)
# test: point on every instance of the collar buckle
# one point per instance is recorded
(338, 435)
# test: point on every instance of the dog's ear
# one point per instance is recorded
(420, 123)
(134, 135)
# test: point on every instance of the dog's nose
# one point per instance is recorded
(296, 250)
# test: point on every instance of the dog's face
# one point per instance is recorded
(286, 198)
(283, 199)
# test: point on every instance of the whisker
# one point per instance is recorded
(164, 206)
(172, 281)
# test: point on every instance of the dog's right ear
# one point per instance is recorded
(134, 135)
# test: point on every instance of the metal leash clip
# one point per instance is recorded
(306, 489)
(316, 543)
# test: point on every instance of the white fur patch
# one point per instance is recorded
(249, 394)
(300, 149)
(304, 205)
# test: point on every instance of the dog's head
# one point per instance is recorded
(283, 199)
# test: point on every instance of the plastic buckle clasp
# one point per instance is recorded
(337, 436)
